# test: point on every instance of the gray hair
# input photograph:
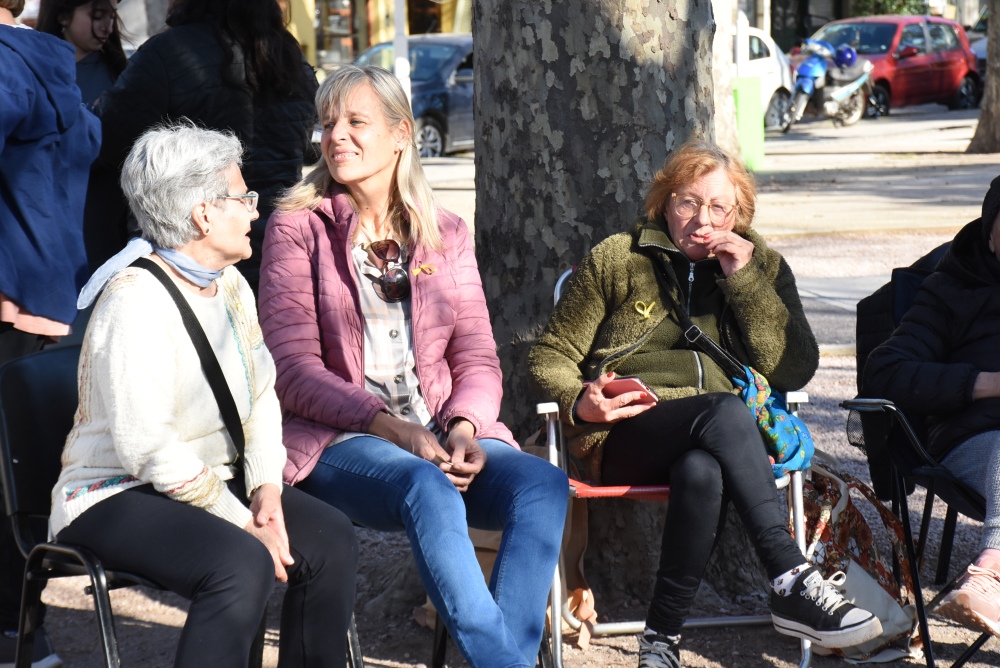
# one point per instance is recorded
(171, 169)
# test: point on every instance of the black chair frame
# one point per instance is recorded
(915, 465)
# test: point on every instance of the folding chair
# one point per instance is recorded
(894, 448)
(911, 464)
(584, 490)
(38, 398)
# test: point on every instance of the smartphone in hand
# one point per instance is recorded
(620, 386)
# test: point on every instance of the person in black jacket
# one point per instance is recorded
(944, 362)
(226, 65)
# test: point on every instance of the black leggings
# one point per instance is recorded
(14, 344)
(228, 574)
(709, 450)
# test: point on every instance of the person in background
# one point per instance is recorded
(48, 140)
(943, 362)
(153, 482)
(226, 65)
(372, 305)
(93, 28)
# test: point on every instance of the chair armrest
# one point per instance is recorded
(794, 399)
(553, 435)
(865, 405)
(797, 397)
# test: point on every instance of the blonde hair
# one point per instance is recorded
(412, 194)
(693, 160)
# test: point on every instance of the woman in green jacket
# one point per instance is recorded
(618, 317)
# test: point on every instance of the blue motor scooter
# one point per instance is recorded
(832, 82)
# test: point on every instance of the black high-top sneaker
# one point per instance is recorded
(656, 651)
(816, 610)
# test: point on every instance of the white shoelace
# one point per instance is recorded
(826, 592)
(657, 655)
(983, 581)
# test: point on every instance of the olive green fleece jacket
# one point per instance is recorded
(615, 315)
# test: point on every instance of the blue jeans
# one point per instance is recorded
(382, 487)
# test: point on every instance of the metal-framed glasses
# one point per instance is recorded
(249, 200)
(394, 283)
(688, 206)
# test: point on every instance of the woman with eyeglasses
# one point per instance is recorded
(686, 425)
(372, 305)
(158, 477)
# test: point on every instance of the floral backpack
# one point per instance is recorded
(840, 538)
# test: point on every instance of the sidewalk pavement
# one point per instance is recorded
(903, 172)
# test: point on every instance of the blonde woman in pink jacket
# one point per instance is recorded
(372, 306)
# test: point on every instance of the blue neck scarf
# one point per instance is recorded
(136, 248)
(187, 267)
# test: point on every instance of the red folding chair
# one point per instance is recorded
(582, 489)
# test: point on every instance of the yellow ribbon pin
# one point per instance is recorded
(643, 309)
(426, 268)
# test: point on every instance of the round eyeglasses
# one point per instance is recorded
(688, 206)
(249, 200)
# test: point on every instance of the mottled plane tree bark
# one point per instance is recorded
(987, 137)
(577, 104)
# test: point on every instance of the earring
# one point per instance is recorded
(207, 230)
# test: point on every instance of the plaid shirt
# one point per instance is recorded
(390, 369)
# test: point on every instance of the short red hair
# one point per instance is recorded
(693, 160)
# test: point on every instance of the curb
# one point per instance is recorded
(837, 350)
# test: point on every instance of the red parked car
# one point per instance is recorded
(917, 59)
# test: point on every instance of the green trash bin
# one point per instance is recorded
(749, 120)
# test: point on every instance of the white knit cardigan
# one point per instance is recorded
(146, 411)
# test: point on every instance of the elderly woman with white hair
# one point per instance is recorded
(158, 478)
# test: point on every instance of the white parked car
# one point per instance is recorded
(760, 57)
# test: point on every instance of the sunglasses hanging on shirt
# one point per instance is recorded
(394, 283)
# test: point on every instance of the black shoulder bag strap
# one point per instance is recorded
(209, 362)
(692, 333)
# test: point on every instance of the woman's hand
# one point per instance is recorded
(268, 526)
(732, 250)
(467, 458)
(987, 384)
(410, 436)
(593, 406)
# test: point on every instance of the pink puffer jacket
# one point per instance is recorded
(314, 329)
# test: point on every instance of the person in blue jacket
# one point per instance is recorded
(48, 140)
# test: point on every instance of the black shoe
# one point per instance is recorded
(656, 651)
(816, 610)
(42, 656)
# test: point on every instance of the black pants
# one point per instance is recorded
(709, 450)
(13, 344)
(228, 574)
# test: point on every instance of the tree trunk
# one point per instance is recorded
(987, 137)
(577, 105)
